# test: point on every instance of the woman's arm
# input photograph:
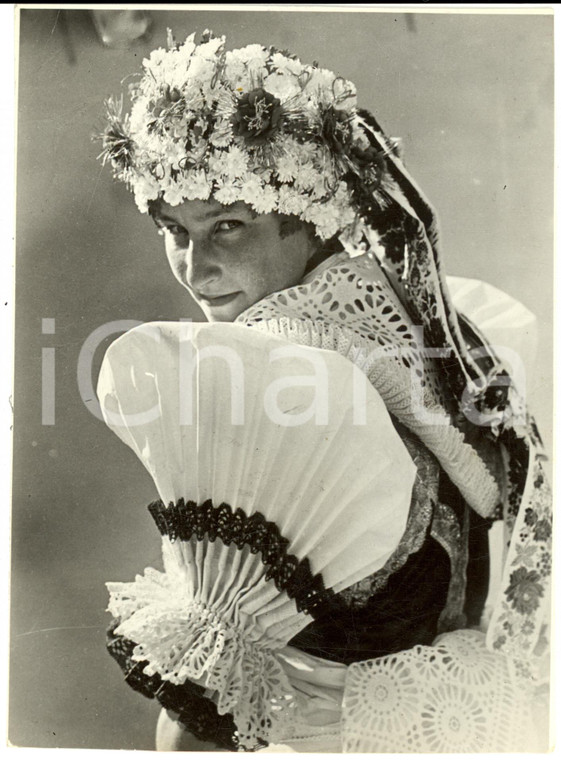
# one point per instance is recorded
(172, 736)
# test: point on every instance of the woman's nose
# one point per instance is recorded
(202, 266)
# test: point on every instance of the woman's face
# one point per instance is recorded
(228, 257)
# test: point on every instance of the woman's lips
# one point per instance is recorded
(219, 300)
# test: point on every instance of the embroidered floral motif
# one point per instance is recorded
(517, 620)
(524, 591)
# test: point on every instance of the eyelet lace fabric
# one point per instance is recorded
(184, 640)
(455, 696)
(196, 712)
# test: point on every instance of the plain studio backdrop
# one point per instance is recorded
(470, 96)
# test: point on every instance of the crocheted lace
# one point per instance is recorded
(455, 696)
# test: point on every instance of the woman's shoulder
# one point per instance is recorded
(345, 290)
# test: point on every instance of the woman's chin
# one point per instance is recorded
(222, 315)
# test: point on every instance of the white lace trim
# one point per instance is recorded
(454, 696)
(191, 641)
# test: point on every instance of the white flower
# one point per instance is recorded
(201, 71)
(323, 217)
(252, 188)
(146, 188)
(256, 55)
(266, 201)
(235, 71)
(291, 202)
(320, 187)
(307, 177)
(287, 168)
(197, 186)
(287, 65)
(211, 48)
(321, 84)
(138, 114)
(227, 192)
(281, 86)
(263, 198)
(174, 194)
(157, 58)
(231, 163)
(222, 134)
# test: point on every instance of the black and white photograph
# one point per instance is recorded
(283, 378)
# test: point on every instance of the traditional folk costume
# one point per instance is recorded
(358, 619)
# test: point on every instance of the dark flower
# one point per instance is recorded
(207, 36)
(524, 590)
(335, 129)
(542, 530)
(496, 396)
(370, 163)
(258, 116)
(364, 159)
(118, 146)
(530, 517)
(500, 642)
(168, 98)
(527, 627)
(545, 563)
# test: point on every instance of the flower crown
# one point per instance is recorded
(253, 125)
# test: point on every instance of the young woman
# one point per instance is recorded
(286, 210)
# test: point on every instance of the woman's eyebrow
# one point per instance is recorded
(158, 216)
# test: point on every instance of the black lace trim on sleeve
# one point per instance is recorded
(184, 520)
(196, 712)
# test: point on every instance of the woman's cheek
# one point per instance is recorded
(176, 260)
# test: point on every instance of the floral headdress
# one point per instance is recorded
(253, 125)
(257, 125)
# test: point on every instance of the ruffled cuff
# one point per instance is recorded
(196, 712)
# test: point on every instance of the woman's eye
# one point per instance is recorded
(227, 225)
(171, 229)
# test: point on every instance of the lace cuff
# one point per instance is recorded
(196, 712)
